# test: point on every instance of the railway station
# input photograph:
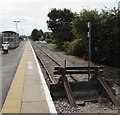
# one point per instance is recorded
(30, 93)
(60, 57)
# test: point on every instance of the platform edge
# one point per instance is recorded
(46, 90)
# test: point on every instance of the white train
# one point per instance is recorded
(11, 37)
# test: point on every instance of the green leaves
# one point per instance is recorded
(60, 23)
(34, 35)
(70, 33)
(105, 31)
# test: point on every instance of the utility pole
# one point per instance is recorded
(119, 5)
(16, 25)
(89, 36)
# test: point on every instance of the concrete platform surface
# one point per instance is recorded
(28, 92)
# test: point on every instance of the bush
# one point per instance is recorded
(68, 48)
(48, 40)
(76, 47)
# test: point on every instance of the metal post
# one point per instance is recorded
(16, 29)
(65, 63)
(89, 36)
(16, 25)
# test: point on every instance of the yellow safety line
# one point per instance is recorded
(14, 97)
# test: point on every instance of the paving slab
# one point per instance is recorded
(33, 93)
(28, 92)
(35, 107)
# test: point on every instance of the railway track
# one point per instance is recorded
(113, 81)
(40, 52)
(49, 63)
(43, 58)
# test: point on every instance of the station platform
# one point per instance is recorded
(28, 92)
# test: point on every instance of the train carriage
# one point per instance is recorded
(12, 38)
(0, 40)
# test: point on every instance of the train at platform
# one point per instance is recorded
(0, 40)
(12, 38)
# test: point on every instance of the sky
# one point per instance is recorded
(32, 14)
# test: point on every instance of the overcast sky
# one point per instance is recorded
(33, 13)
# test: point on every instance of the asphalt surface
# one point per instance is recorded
(9, 64)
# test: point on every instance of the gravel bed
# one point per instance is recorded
(62, 106)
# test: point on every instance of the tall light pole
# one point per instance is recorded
(89, 36)
(119, 5)
(16, 25)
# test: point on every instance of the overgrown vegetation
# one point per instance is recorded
(105, 30)
(69, 32)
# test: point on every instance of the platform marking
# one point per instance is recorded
(30, 65)
(13, 100)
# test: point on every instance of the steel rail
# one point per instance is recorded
(49, 56)
(74, 78)
(108, 91)
(52, 80)
(68, 89)
(65, 81)
(66, 84)
(81, 68)
(50, 77)
(112, 80)
(78, 72)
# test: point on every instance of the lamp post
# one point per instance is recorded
(16, 24)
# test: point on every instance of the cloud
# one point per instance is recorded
(33, 13)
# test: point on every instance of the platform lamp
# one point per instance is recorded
(16, 22)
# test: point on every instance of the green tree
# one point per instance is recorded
(60, 22)
(34, 35)
(105, 43)
(39, 34)
(80, 30)
(108, 43)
